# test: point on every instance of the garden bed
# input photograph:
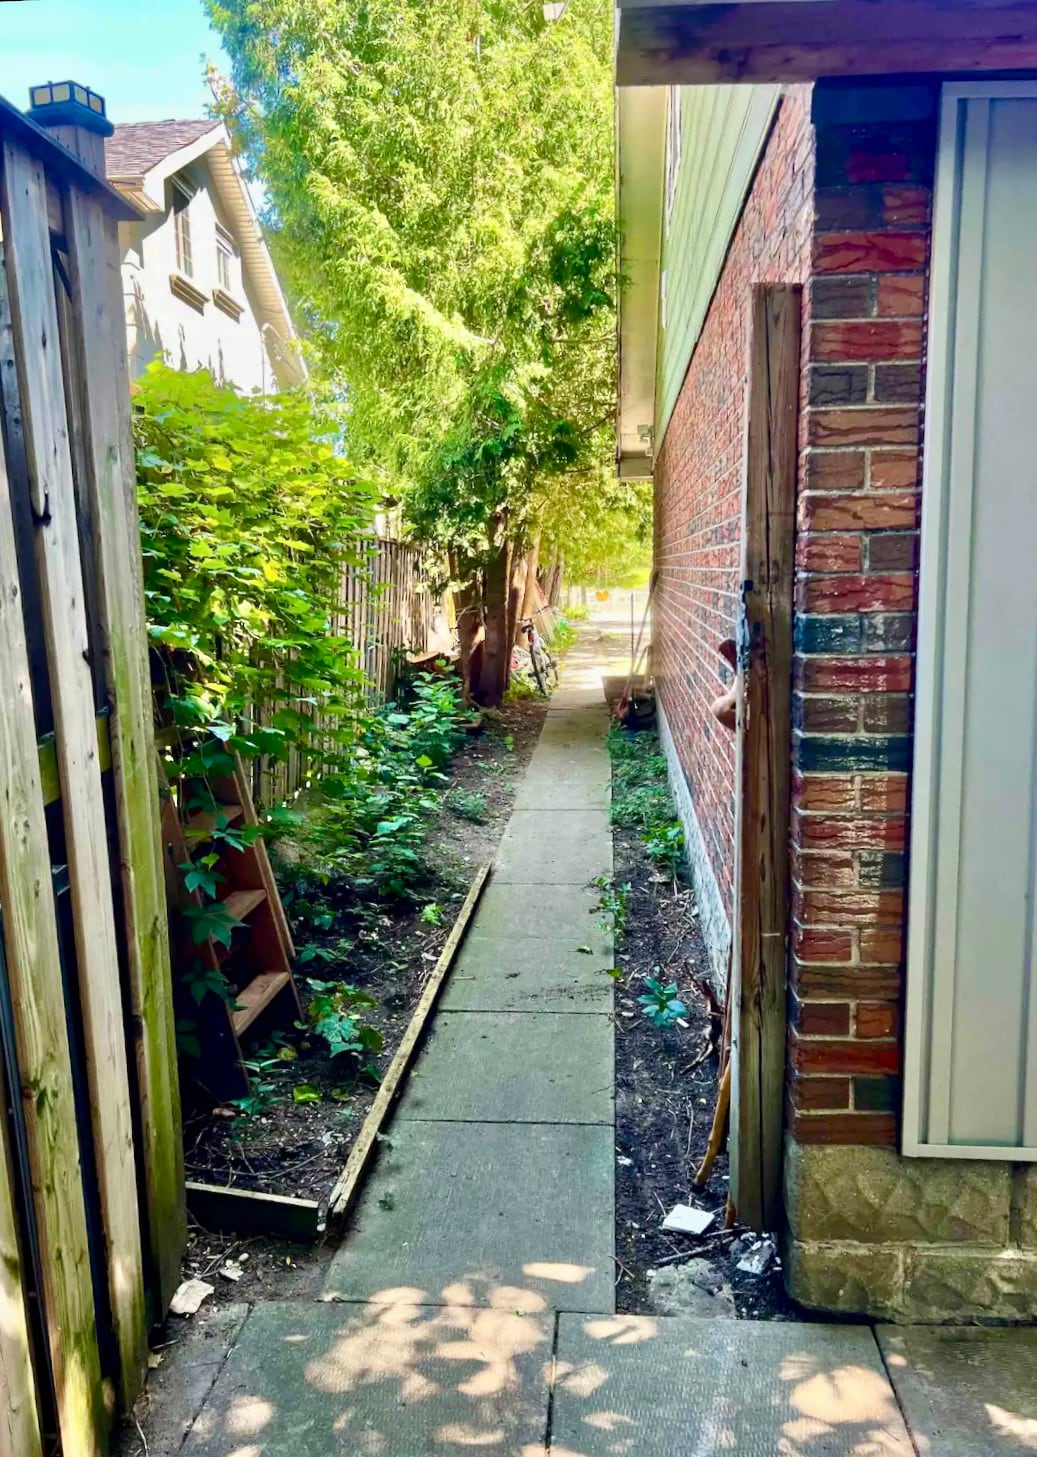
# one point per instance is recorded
(298, 1148)
(666, 1075)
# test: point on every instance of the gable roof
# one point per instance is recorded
(141, 156)
(135, 148)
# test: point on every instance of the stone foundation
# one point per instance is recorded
(871, 1233)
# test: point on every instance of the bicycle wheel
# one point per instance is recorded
(541, 669)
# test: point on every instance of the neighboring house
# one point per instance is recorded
(910, 1118)
(200, 288)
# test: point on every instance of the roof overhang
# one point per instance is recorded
(148, 192)
(690, 42)
(641, 168)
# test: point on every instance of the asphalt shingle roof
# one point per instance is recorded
(138, 146)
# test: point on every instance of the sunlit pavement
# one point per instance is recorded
(470, 1305)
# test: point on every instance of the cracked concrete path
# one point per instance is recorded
(501, 1169)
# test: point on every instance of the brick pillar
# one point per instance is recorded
(856, 597)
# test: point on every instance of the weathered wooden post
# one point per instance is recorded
(76, 117)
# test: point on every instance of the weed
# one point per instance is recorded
(468, 805)
(331, 1016)
(641, 796)
(615, 901)
(387, 1201)
(661, 1004)
(520, 689)
(264, 1093)
(563, 637)
(432, 914)
(665, 845)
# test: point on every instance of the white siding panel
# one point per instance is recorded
(971, 1054)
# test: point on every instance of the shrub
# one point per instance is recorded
(248, 517)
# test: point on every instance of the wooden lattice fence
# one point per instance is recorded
(92, 1222)
(386, 609)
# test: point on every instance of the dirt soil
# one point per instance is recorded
(299, 1149)
(665, 1096)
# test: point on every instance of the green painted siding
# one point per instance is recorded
(722, 131)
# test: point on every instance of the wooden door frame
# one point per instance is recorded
(764, 755)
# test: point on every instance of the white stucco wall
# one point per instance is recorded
(161, 324)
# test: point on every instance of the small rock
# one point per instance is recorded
(189, 1297)
(693, 1288)
(758, 1258)
(231, 1270)
(686, 1219)
(742, 1245)
(625, 1163)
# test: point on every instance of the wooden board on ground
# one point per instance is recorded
(345, 1190)
(246, 1211)
(763, 757)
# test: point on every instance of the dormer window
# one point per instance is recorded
(226, 255)
(182, 195)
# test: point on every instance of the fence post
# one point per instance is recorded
(34, 318)
(100, 342)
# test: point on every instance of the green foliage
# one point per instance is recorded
(248, 516)
(614, 900)
(641, 796)
(440, 179)
(563, 637)
(369, 830)
(265, 1092)
(661, 1004)
(469, 804)
(432, 914)
(612, 542)
(331, 1016)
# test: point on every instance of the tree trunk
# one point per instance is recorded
(529, 596)
(468, 605)
(497, 644)
(516, 592)
(553, 587)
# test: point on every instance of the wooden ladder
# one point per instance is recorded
(258, 963)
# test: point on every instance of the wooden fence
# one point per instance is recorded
(386, 609)
(92, 1222)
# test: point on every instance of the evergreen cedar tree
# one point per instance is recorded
(440, 185)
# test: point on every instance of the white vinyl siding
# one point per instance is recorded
(716, 133)
(971, 1045)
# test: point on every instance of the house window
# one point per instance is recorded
(182, 195)
(673, 150)
(225, 254)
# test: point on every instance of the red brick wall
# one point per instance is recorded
(855, 608)
(698, 478)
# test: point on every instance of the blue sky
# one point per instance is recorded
(145, 57)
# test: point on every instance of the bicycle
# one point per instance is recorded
(545, 669)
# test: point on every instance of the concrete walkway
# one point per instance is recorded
(500, 1175)
(470, 1305)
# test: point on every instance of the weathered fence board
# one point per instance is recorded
(44, 1070)
(35, 325)
(110, 486)
(19, 1424)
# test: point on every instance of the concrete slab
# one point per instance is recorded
(454, 1212)
(963, 1390)
(514, 1067)
(309, 1380)
(548, 847)
(662, 1386)
(567, 915)
(565, 778)
(529, 974)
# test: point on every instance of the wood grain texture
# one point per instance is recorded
(348, 1185)
(19, 1425)
(800, 40)
(48, 455)
(110, 484)
(34, 972)
(763, 770)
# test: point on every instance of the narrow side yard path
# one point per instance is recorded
(499, 1177)
(471, 1302)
